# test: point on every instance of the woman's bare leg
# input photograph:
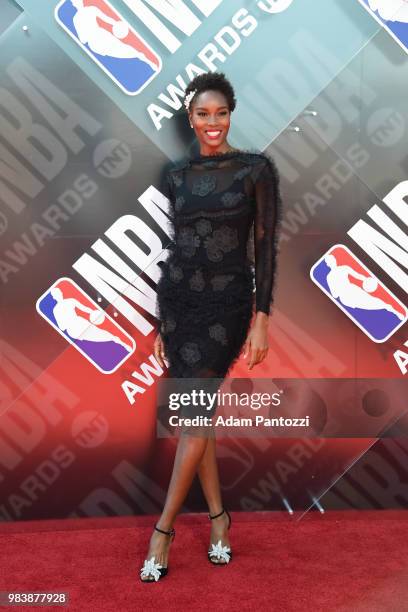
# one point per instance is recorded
(210, 483)
(190, 450)
(209, 479)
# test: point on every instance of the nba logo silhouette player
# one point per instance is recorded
(100, 30)
(358, 293)
(85, 325)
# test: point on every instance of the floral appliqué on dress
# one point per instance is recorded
(190, 353)
(188, 241)
(197, 282)
(223, 240)
(218, 332)
(175, 273)
(179, 203)
(203, 227)
(177, 179)
(230, 199)
(204, 185)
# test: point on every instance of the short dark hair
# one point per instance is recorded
(214, 81)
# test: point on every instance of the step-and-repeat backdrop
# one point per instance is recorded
(90, 116)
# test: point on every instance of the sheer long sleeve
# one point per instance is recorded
(166, 186)
(267, 220)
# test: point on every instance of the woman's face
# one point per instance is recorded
(210, 118)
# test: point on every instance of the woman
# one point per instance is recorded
(206, 289)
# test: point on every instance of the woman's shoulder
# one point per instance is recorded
(262, 157)
(262, 163)
(258, 158)
(175, 166)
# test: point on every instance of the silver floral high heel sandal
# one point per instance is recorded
(217, 550)
(152, 571)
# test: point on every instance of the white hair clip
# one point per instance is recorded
(188, 98)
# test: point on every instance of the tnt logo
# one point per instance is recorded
(85, 325)
(101, 31)
(393, 16)
(358, 293)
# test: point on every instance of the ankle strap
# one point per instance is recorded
(172, 531)
(216, 515)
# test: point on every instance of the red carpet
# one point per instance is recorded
(346, 560)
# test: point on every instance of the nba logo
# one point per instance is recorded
(102, 32)
(393, 16)
(358, 293)
(85, 325)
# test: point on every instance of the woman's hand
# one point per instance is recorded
(256, 344)
(159, 353)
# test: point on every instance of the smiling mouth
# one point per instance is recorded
(213, 133)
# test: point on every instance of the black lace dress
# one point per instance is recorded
(206, 290)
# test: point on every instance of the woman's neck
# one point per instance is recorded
(226, 149)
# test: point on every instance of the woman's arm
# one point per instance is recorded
(166, 188)
(268, 215)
